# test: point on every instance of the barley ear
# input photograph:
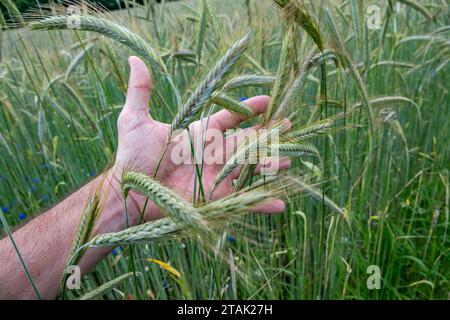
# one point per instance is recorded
(91, 213)
(105, 287)
(164, 198)
(231, 104)
(199, 98)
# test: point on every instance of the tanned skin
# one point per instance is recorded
(45, 242)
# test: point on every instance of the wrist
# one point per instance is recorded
(134, 202)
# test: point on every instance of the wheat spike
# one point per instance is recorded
(107, 28)
(105, 287)
(163, 197)
(214, 212)
(313, 58)
(232, 105)
(244, 152)
(295, 10)
(285, 65)
(295, 150)
(249, 80)
(146, 232)
(203, 92)
(91, 213)
(311, 131)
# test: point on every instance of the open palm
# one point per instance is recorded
(143, 141)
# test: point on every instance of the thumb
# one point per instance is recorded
(139, 86)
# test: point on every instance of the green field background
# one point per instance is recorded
(58, 130)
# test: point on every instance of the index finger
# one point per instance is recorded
(224, 119)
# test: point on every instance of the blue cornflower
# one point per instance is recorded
(36, 180)
(115, 252)
(91, 173)
(242, 98)
(22, 216)
(231, 238)
(5, 209)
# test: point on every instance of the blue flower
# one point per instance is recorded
(91, 173)
(242, 98)
(5, 209)
(115, 252)
(36, 180)
(44, 198)
(22, 216)
(33, 188)
(231, 238)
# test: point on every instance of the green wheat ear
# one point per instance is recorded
(231, 104)
(109, 29)
(91, 213)
(216, 213)
(248, 81)
(295, 10)
(200, 97)
(106, 287)
(178, 209)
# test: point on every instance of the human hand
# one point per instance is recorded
(143, 141)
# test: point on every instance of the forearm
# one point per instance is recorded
(45, 242)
